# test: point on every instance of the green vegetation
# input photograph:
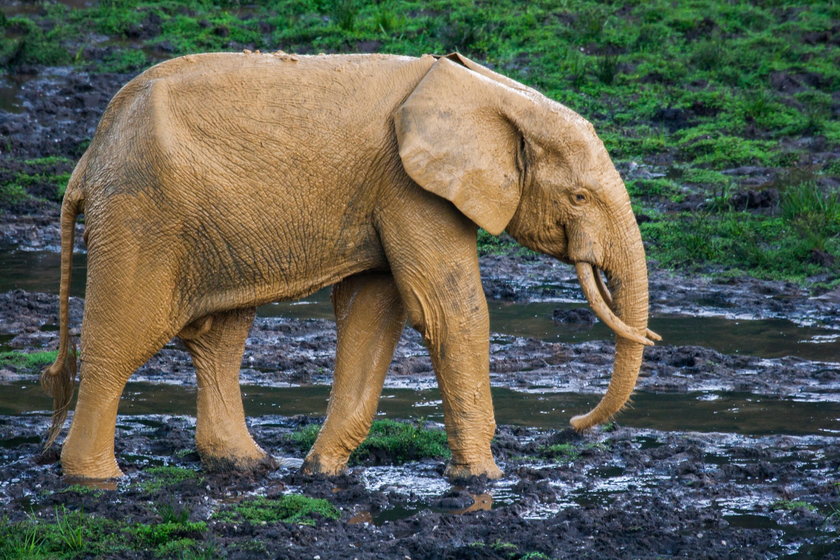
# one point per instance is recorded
(30, 361)
(568, 452)
(498, 244)
(168, 476)
(786, 244)
(74, 534)
(791, 505)
(290, 508)
(42, 178)
(694, 88)
(389, 442)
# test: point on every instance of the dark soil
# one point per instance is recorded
(623, 493)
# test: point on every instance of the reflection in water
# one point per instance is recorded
(481, 502)
(741, 413)
(769, 338)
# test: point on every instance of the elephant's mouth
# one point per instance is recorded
(600, 300)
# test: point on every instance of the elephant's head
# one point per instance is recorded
(511, 159)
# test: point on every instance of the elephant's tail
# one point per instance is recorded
(58, 380)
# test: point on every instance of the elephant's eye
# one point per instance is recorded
(579, 198)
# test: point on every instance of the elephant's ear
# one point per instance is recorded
(457, 140)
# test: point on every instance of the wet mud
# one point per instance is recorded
(622, 492)
(618, 493)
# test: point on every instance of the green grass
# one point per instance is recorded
(289, 508)
(779, 245)
(28, 361)
(569, 452)
(168, 476)
(65, 534)
(498, 244)
(44, 177)
(389, 441)
(791, 505)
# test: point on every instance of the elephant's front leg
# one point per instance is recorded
(455, 325)
(440, 283)
(216, 343)
(370, 318)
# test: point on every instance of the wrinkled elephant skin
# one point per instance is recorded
(219, 182)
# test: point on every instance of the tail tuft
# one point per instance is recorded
(59, 381)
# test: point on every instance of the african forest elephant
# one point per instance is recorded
(219, 182)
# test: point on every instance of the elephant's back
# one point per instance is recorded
(232, 123)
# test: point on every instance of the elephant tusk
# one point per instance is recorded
(588, 284)
(607, 296)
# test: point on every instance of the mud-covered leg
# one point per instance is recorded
(437, 274)
(370, 318)
(122, 328)
(453, 319)
(216, 343)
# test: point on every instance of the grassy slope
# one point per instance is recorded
(686, 89)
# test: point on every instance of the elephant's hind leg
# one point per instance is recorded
(370, 318)
(216, 343)
(119, 334)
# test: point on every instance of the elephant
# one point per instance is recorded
(218, 182)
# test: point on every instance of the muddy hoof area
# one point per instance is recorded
(248, 467)
(316, 465)
(48, 456)
(470, 474)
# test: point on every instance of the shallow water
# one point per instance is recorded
(740, 413)
(768, 338)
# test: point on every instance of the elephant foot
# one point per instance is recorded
(316, 463)
(90, 469)
(461, 471)
(253, 466)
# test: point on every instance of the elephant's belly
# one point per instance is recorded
(238, 266)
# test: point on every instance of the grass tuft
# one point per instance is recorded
(28, 361)
(389, 442)
(290, 508)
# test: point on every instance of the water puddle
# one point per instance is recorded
(739, 413)
(768, 338)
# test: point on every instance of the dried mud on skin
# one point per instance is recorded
(624, 493)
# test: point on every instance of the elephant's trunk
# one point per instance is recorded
(626, 313)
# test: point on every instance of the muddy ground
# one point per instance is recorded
(618, 493)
